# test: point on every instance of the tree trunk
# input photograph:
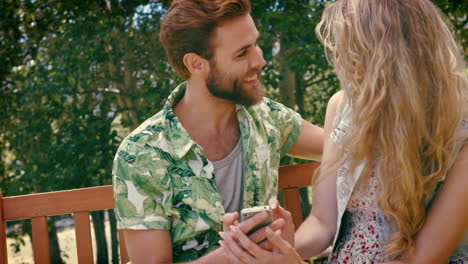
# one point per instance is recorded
(114, 240)
(100, 235)
(300, 92)
(55, 257)
(287, 83)
(123, 81)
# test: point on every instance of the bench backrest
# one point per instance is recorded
(80, 202)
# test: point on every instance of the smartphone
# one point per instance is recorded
(247, 213)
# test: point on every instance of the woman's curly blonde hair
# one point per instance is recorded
(404, 76)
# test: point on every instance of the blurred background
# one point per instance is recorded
(77, 76)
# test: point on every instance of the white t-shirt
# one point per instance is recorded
(229, 174)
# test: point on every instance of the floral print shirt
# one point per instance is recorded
(361, 238)
(162, 180)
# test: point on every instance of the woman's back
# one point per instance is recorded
(363, 228)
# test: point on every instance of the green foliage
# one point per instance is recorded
(78, 76)
(456, 11)
(288, 40)
(73, 73)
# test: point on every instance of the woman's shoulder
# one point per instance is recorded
(336, 99)
(340, 106)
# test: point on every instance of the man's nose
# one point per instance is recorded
(257, 61)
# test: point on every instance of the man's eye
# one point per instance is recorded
(242, 54)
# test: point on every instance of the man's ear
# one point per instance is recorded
(196, 64)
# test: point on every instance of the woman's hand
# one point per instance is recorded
(288, 230)
(258, 236)
(240, 249)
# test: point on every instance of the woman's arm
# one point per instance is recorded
(317, 231)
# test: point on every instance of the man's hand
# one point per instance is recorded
(229, 219)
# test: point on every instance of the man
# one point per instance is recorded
(216, 145)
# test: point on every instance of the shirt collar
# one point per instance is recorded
(179, 138)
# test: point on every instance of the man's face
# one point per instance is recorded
(237, 62)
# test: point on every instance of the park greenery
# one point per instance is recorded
(77, 76)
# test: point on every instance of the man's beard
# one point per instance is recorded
(230, 90)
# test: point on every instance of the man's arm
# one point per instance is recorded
(309, 144)
(155, 247)
(148, 246)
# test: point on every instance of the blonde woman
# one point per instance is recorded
(394, 178)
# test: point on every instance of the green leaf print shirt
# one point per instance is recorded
(162, 180)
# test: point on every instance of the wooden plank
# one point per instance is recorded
(56, 203)
(3, 243)
(299, 175)
(293, 204)
(123, 248)
(84, 246)
(40, 240)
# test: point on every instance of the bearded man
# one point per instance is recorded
(216, 145)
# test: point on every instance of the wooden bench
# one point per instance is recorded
(80, 202)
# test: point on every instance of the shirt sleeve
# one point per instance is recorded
(463, 135)
(287, 121)
(143, 199)
(464, 130)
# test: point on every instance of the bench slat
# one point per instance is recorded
(293, 207)
(40, 240)
(294, 176)
(84, 246)
(3, 243)
(57, 203)
(123, 249)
